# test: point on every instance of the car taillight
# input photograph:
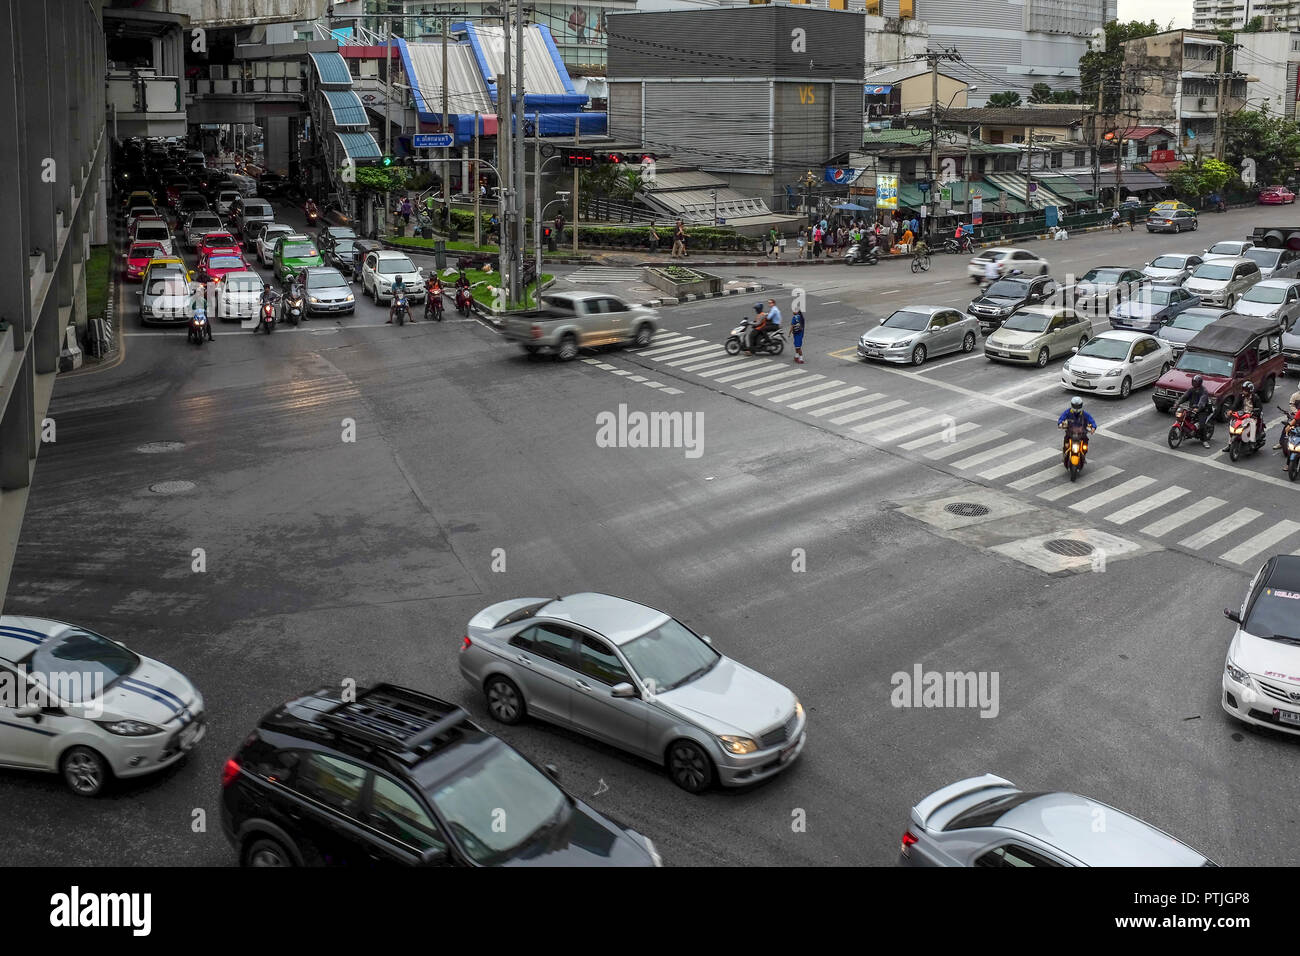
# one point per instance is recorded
(908, 840)
(537, 331)
(229, 772)
(465, 643)
(1169, 222)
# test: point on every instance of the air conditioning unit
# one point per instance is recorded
(1200, 102)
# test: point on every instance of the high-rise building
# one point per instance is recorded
(1235, 14)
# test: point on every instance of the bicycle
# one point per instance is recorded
(921, 262)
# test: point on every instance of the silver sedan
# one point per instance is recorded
(918, 332)
(635, 678)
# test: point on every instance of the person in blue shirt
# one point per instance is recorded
(1074, 415)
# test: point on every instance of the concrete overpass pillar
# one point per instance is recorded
(276, 133)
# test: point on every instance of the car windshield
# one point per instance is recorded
(344, 248)
(1275, 615)
(1102, 275)
(1264, 258)
(144, 252)
(1153, 297)
(502, 786)
(168, 285)
(1168, 262)
(1205, 364)
(79, 665)
(1226, 248)
(991, 254)
(1213, 270)
(389, 267)
(910, 321)
(151, 232)
(228, 196)
(299, 250)
(1192, 322)
(225, 262)
(205, 222)
(1008, 289)
(1109, 350)
(1270, 295)
(326, 280)
(1027, 322)
(270, 235)
(669, 656)
(245, 284)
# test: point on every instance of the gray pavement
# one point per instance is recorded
(328, 559)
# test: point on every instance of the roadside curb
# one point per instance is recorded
(110, 315)
(697, 296)
(498, 318)
(455, 253)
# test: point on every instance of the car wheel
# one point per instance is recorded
(918, 355)
(1043, 357)
(1043, 271)
(968, 343)
(264, 851)
(1266, 390)
(84, 771)
(1083, 340)
(689, 766)
(504, 700)
(644, 333)
(568, 350)
(1125, 387)
(531, 349)
(1195, 224)
(1177, 228)
(1222, 410)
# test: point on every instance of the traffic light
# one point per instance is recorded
(613, 159)
(549, 237)
(386, 161)
(578, 159)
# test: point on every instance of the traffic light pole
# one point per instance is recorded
(577, 126)
(537, 200)
(521, 173)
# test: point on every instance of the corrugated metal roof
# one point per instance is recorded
(359, 145)
(331, 69)
(1016, 183)
(699, 203)
(346, 108)
(466, 90)
(693, 179)
(540, 73)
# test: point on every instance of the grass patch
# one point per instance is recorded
(98, 272)
(415, 242)
(480, 280)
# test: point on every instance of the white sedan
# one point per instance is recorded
(1261, 676)
(266, 241)
(1116, 362)
(1007, 260)
(78, 704)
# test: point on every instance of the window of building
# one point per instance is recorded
(1058, 159)
(1079, 158)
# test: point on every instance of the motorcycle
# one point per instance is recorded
(1075, 455)
(860, 253)
(312, 214)
(463, 300)
(770, 342)
(198, 330)
(1184, 427)
(963, 244)
(433, 303)
(1291, 447)
(292, 310)
(266, 317)
(1243, 440)
(401, 308)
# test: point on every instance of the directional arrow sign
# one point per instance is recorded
(431, 140)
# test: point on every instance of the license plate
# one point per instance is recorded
(788, 752)
(873, 351)
(1287, 717)
(1083, 382)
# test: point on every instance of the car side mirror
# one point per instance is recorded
(31, 710)
(706, 639)
(884, 320)
(1232, 615)
(623, 689)
(1075, 350)
(553, 771)
(139, 291)
(433, 856)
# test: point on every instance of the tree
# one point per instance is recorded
(378, 179)
(1272, 141)
(1008, 98)
(627, 182)
(1102, 67)
(1041, 93)
(1195, 180)
(599, 182)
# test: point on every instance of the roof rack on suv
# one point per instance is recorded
(395, 719)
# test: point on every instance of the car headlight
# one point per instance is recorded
(312, 298)
(650, 848)
(798, 708)
(1065, 367)
(129, 728)
(737, 745)
(350, 298)
(1236, 673)
(1115, 373)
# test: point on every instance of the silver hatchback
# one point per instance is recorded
(987, 821)
(635, 678)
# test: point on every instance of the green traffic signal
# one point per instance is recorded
(388, 160)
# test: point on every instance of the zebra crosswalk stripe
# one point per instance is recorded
(851, 403)
(688, 356)
(760, 367)
(921, 419)
(1104, 473)
(938, 436)
(1224, 526)
(748, 386)
(818, 399)
(657, 351)
(1191, 512)
(863, 413)
(1138, 508)
(957, 448)
(1111, 494)
(801, 392)
(729, 360)
(1037, 478)
(1266, 538)
(1018, 464)
(992, 453)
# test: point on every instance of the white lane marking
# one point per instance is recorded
(664, 338)
(922, 420)
(818, 400)
(1179, 518)
(756, 367)
(677, 350)
(957, 448)
(853, 403)
(655, 384)
(591, 361)
(937, 437)
(801, 392)
(1112, 422)
(636, 378)
(686, 341)
(1259, 542)
(941, 282)
(691, 357)
(890, 292)
(1019, 464)
(1129, 487)
(672, 391)
(940, 366)
(692, 328)
(769, 389)
(831, 302)
(1233, 522)
(619, 371)
(919, 417)
(605, 366)
(729, 360)
(863, 413)
(1139, 508)
(1037, 478)
(986, 456)
(751, 382)
(1020, 387)
(1104, 473)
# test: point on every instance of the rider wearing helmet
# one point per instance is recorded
(1198, 400)
(1074, 415)
(1251, 405)
(757, 326)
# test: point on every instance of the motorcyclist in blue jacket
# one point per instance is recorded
(1074, 415)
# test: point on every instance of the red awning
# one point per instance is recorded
(1162, 169)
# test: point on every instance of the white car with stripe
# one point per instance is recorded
(76, 703)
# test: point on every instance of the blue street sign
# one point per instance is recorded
(431, 140)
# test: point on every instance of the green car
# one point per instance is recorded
(292, 254)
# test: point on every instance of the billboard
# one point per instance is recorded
(886, 192)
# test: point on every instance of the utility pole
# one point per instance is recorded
(446, 165)
(521, 172)
(503, 172)
(1096, 141)
(505, 158)
(1218, 119)
(388, 99)
(934, 139)
(537, 196)
(1029, 171)
(965, 169)
(577, 125)
(478, 222)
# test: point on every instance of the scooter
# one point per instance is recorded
(401, 308)
(1291, 448)
(291, 309)
(1075, 455)
(463, 300)
(1243, 440)
(312, 214)
(772, 342)
(1184, 427)
(266, 318)
(860, 253)
(964, 244)
(198, 330)
(433, 303)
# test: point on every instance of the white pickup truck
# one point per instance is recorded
(573, 320)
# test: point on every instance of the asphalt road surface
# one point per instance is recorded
(809, 538)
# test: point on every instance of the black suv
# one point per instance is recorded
(397, 777)
(1007, 294)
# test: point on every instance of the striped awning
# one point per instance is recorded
(346, 108)
(331, 69)
(359, 145)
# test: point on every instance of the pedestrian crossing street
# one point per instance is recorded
(596, 274)
(1145, 504)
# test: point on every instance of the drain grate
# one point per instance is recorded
(172, 487)
(158, 447)
(967, 509)
(1069, 547)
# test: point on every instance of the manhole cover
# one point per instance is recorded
(1069, 547)
(172, 487)
(967, 509)
(158, 447)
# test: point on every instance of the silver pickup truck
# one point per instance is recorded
(571, 321)
(199, 225)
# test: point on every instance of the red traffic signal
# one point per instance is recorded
(579, 159)
(546, 232)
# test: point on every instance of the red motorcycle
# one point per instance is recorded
(1244, 439)
(464, 301)
(433, 302)
(311, 212)
(1184, 427)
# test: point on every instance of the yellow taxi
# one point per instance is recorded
(164, 263)
(1171, 205)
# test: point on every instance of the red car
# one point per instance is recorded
(216, 240)
(136, 259)
(219, 260)
(1275, 196)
